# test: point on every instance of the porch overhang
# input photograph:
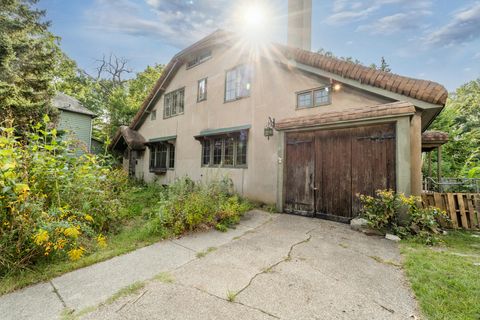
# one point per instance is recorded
(354, 114)
(433, 139)
(129, 138)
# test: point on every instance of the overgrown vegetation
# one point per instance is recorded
(445, 277)
(52, 201)
(461, 120)
(60, 210)
(401, 215)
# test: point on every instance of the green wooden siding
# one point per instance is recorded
(79, 126)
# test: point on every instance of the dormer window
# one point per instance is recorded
(199, 58)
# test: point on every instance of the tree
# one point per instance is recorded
(28, 52)
(384, 66)
(461, 120)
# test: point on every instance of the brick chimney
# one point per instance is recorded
(300, 24)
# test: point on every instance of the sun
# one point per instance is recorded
(253, 22)
(254, 16)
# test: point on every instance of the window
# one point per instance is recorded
(304, 100)
(199, 58)
(228, 151)
(238, 83)
(202, 90)
(174, 103)
(153, 115)
(162, 156)
(321, 96)
(313, 98)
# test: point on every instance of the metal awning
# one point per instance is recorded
(214, 132)
(162, 139)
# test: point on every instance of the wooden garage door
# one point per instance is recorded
(345, 162)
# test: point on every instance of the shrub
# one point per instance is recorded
(185, 206)
(52, 199)
(383, 213)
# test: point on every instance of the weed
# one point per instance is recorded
(383, 261)
(128, 290)
(231, 296)
(202, 254)
(164, 277)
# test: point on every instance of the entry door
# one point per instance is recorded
(300, 175)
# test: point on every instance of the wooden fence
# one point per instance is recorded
(462, 208)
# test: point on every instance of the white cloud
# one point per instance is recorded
(464, 27)
(396, 22)
(179, 23)
(348, 11)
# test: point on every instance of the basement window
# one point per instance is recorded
(225, 150)
(162, 157)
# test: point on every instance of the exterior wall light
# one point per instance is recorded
(268, 130)
(337, 86)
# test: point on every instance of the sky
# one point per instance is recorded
(434, 40)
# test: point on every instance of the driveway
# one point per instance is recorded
(288, 268)
(271, 267)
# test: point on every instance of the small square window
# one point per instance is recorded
(153, 115)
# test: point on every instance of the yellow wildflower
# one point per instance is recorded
(101, 241)
(76, 253)
(88, 218)
(71, 232)
(21, 188)
(41, 237)
(60, 244)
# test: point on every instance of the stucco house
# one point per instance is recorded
(75, 119)
(289, 126)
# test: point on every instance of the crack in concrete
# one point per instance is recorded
(236, 302)
(55, 290)
(181, 245)
(287, 258)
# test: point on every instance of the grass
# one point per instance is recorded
(133, 235)
(202, 254)
(164, 277)
(128, 290)
(445, 278)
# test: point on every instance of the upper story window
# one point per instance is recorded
(199, 58)
(314, 97)
(162, 157)
(238, 82)
(202, 90)
(153, 115)
(225, 150)
(174, 103)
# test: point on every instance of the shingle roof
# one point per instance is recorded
(133, 139)
(68, 103)
(434, 136)
(355, 113)
(424, 90)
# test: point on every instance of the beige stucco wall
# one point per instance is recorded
(272, 94)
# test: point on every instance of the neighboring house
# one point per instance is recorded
(76, 119)
(341, 128)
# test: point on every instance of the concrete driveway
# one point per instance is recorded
(288, 267)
